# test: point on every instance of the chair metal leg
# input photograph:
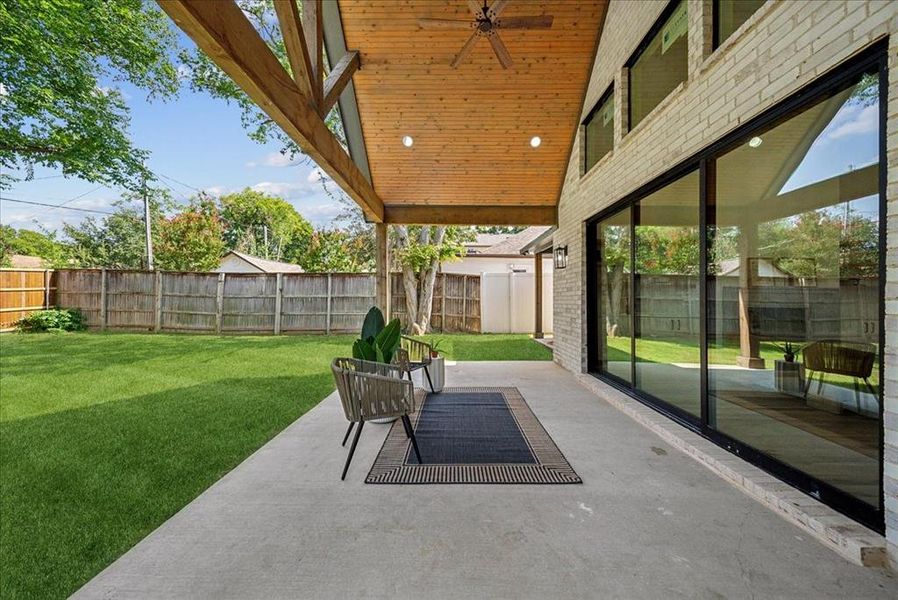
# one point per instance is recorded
(348, 431)
(355, 441)
(405, 426)
(820, 384)
(872, 389)
(411, 431)
(857, 395)
(426, 372)
(807, 384)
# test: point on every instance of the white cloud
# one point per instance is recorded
(856, 122)
(275, 159)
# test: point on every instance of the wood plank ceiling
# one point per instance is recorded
(471, 161)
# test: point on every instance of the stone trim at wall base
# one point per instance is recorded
(850, 539)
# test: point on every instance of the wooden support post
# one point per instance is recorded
(749, 345)
(219, 302)
(538, 317)
(464, 303)
(277, 303)
(158, 286)
(382, 269)
(103, 299)
(327, 322)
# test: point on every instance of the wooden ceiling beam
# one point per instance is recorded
(223, 32)
(295, 42)
(460, 214)
(313, 27)
(337, 79)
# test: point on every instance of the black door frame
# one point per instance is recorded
(874, 57)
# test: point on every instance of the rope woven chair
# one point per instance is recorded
(412, 355)
(854, 359)
(371, 390)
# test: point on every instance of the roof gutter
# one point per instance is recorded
(540, 244)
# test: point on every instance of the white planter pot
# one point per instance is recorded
(437, 370)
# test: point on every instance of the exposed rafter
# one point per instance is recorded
(313, 27)
(337, 79)
(223, 32)
(295, 43)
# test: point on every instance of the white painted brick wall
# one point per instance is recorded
(782, 47)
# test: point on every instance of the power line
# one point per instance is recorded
(88, 210)
(178, 182)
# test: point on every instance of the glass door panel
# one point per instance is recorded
(668, 359)
(614, 271)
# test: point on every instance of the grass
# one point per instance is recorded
(105, 436)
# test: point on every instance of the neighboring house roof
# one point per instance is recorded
(265, 265)
(484, 241)
(765, 268)
(20, 261)
(513, 245)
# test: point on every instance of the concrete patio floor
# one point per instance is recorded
(648, 522)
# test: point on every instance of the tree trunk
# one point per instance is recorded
(419, 287)
(428, 281)
(615, 287)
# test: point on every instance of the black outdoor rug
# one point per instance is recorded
(472, 435)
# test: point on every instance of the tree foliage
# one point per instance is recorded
(265, 226)
(60, 62)
(192, 239)
(32, 243)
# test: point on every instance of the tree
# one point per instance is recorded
(263, 225)
(119, 240)
(331, 251)
(59, 64)
(509, 229)
(32, 243)
(191, 240)
(419, 251)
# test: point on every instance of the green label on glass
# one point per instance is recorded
(676, 26)
(607, 114)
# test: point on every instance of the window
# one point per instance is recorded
(660, 63)
(730, 14)
(794, 289)
(598, 129)
(742, 293)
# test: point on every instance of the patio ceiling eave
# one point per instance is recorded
(462, 214)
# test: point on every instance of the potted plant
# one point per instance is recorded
(788, 374)
(378, 343)
(789, 350)
(437, 366)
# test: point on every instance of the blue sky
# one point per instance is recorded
(192, 138)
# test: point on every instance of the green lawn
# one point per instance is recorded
(105, 436)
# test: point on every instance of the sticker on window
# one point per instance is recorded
(676, 26)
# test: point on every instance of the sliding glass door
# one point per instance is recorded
(743, 294)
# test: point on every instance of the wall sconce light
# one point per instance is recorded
(561, 257)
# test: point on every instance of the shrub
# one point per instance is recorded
(52, 320)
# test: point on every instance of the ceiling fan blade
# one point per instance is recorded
(465, 50)
(537, 22)
(443, 24)
(476, 8)
(501, 51)
(497, 8)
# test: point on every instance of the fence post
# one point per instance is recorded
(464, 303)
(46, 288)
(327, 322)
(158, 286)
(219, 302)
(103, 299)
(279, 282)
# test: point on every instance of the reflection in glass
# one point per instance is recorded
(661, 65)
(614, 291)
(730, 14)
(599, 130)
(793, 289)
(667, 294)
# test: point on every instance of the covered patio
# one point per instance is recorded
(646, 517)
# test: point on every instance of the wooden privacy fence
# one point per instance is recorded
(23, 291)
(229, 303)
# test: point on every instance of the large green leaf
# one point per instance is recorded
(388, 339)
(363, 350)
(374, 323)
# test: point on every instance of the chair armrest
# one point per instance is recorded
(418, 350)
(377, 368)
(381, 396)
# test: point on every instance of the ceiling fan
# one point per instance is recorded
(487, 23)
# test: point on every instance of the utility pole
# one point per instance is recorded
(147, 222)
(265, 237)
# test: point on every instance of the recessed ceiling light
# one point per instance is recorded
(755, 142)
(535, 141)
(407, 141)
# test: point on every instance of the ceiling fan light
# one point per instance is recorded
(407, 141)
(535, 141)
